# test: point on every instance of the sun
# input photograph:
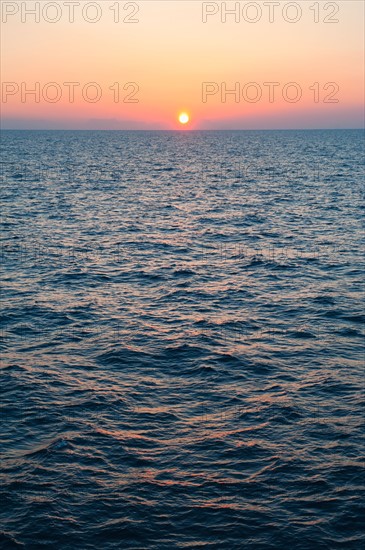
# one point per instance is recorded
(183, 118)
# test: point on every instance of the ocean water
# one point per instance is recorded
(182, 340)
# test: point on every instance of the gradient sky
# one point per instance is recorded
(170, 52)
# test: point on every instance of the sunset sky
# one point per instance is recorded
(169, 53)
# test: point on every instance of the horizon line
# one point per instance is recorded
(182, 131)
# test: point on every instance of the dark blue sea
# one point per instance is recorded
(182, 340)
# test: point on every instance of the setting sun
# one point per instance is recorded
(183, 118)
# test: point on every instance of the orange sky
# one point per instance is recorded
(170, 53)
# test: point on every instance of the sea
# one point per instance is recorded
(182, 340)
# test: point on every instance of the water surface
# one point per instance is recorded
(182, 338)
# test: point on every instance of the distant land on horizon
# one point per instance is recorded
(354, 123)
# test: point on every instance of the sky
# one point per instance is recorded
(138, 65)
